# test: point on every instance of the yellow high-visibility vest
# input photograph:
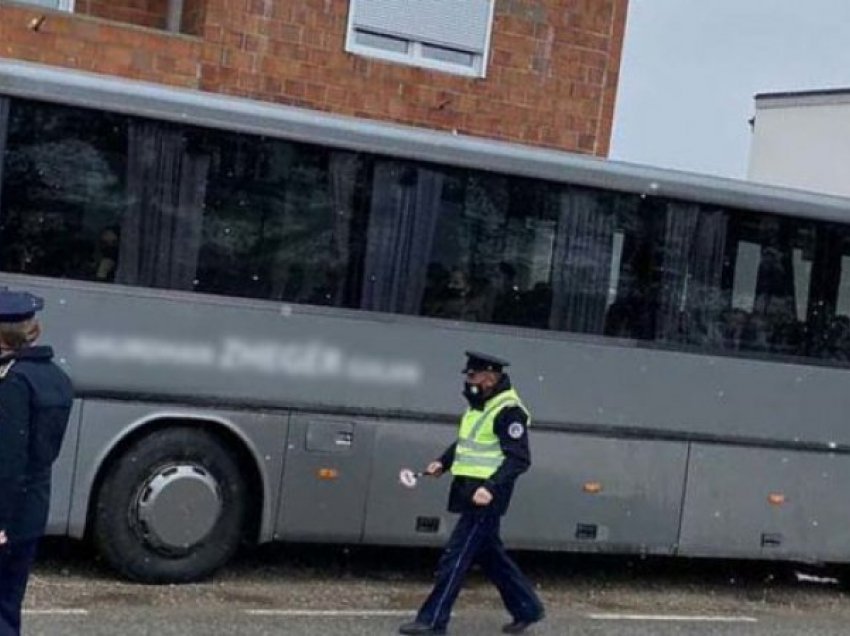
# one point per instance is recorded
(478, 452)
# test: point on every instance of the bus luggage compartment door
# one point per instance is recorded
(595, 494)
(398, 515)
(766, 503)
(325, 478)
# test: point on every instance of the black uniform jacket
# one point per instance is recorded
(511, 426)
(35, 402)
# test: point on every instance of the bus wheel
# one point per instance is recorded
(171, 508)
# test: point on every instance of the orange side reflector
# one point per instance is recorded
(776, 499)
(327, 473)
(592, 487)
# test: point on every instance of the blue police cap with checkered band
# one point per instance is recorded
(477, 361)
(17, 306)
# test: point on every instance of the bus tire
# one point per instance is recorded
(171, 508)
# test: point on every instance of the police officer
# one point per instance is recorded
(35, 402)
(490, 453)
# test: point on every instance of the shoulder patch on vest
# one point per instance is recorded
(515, 430)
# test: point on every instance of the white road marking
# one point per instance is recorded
(328, 613)
(809, 578)
(672, 617)
(307, 613)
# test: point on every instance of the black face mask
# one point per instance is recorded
(474, 394)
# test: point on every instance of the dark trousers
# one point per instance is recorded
(475, 539)
(16, 561)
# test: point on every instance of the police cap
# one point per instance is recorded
(17, 306)
(482, 362)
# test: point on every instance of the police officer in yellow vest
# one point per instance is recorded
(490, 453)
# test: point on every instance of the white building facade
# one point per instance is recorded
(802, 140)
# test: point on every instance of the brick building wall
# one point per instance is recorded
(101, 46)
(551, 78)
(147, 13)
(194, 17)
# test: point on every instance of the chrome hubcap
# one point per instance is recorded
(177, 507)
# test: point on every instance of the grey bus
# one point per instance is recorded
(264, 311)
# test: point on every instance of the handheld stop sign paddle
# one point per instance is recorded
(409, 478)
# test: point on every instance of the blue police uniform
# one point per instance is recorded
(35, 403)
(475, 538)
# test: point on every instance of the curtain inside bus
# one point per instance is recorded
(704, 301)
(402, 221)
(161, 230)
(581, 268)
(342, 177)
(679, 235)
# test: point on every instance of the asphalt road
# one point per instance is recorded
(136, 622)
(336, 591)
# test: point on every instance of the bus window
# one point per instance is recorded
(584, 291)
(768, 281)
(605, 273)
(96, 196)
(278, 220)
(802, 266)
(64, 191)
(747, 260)
(842, 307)
(830, 307)
(491, 257)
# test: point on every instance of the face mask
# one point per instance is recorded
(473, 394)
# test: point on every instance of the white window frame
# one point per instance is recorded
(61, 5)
(414, 56)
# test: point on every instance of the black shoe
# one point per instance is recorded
(419, 628)
(518, 627)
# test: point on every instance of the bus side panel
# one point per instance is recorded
(637, 507)
(586, 493)
(63, 475)
(765, 503)
(323, 496)
(105, 423)
(403, 516)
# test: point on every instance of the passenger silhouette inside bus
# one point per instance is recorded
(461, 298)
(509, 307)
(105, 261)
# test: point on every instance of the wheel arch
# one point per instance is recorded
(232, 438)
